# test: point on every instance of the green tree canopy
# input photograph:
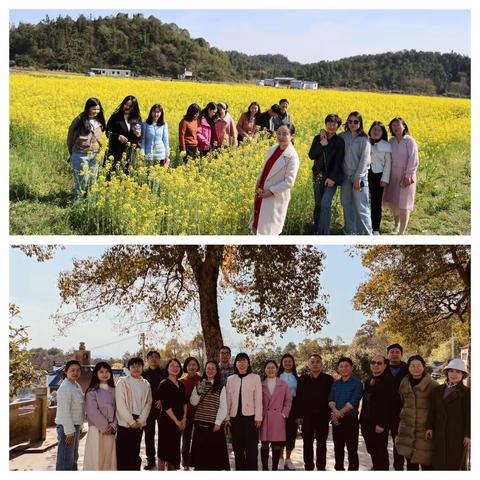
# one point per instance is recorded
(274, 287)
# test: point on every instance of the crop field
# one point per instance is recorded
(213, 196)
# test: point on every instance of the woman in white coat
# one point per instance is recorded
(272, 191)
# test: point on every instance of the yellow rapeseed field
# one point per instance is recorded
(214, 196)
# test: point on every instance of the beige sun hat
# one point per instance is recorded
(456, 364)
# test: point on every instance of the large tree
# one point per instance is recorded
(418, 291)
(274, 287)
(22, 373)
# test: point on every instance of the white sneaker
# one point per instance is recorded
(289, 465)
(376, 233)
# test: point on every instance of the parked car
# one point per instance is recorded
(437, 368)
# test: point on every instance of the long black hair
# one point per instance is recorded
(217, 380)
(204, 113)
(239, 357)
(134, 112)
(95, 382)
(361, 131)
(161, 119)
(248, 110)
(384, 131)
(294, 368)
(192, 110)
(84, 124)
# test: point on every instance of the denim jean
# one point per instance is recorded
(356, 207)
(67, 455)
(85, 171)
(322, 214)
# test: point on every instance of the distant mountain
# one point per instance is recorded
(149, 47)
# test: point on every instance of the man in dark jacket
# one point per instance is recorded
(154, 374)
(265, 119)
(327, 152)
(313, 412)
(283, 117)
(398, 369)
(376, 415)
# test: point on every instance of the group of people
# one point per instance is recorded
(372, 171)
(429, 423)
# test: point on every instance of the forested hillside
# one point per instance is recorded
(149, 47)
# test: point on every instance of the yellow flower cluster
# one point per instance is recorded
(215, 195)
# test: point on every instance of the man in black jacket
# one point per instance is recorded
(313, 412)
(398, 369)
(265, 119)
(154, 374)
(376, 415)
(327, 152)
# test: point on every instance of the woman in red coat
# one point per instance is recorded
(277, 401)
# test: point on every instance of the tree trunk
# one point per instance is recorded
(206, 275)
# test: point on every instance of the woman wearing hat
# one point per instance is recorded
(448, 422)
(415, 390)
(272, 190)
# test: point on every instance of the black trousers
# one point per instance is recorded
(192, 152)
(128, 448)
(345, 434)
(187, 442)
(277, 448)
(291, 428)
(376, 194)
(398, 460)
(377, 446)
(149, 429)
(315, 427)
(245, 442)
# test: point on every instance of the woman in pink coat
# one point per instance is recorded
(399, 194)
(277, 401)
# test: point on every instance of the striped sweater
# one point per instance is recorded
(211, 407)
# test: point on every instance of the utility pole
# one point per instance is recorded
(142, 340)
(452, 344)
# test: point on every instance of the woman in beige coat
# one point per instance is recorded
(272, 191)
(415, 390)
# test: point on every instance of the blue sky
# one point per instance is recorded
(33, 288)
(307, 35)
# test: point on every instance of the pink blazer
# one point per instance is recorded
(276, 409)
(251, 396)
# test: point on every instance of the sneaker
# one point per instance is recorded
(289, 465)
(376, 233)
(149, 466)
(281, 464)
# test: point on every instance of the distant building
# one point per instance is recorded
(111, 72)
(283, 81)
(82, 355)
(302, 85)
(269, 82)
(288, 82)
(186, 75)
(297, 84)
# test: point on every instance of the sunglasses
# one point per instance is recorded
(355, 122)
(373, 362)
